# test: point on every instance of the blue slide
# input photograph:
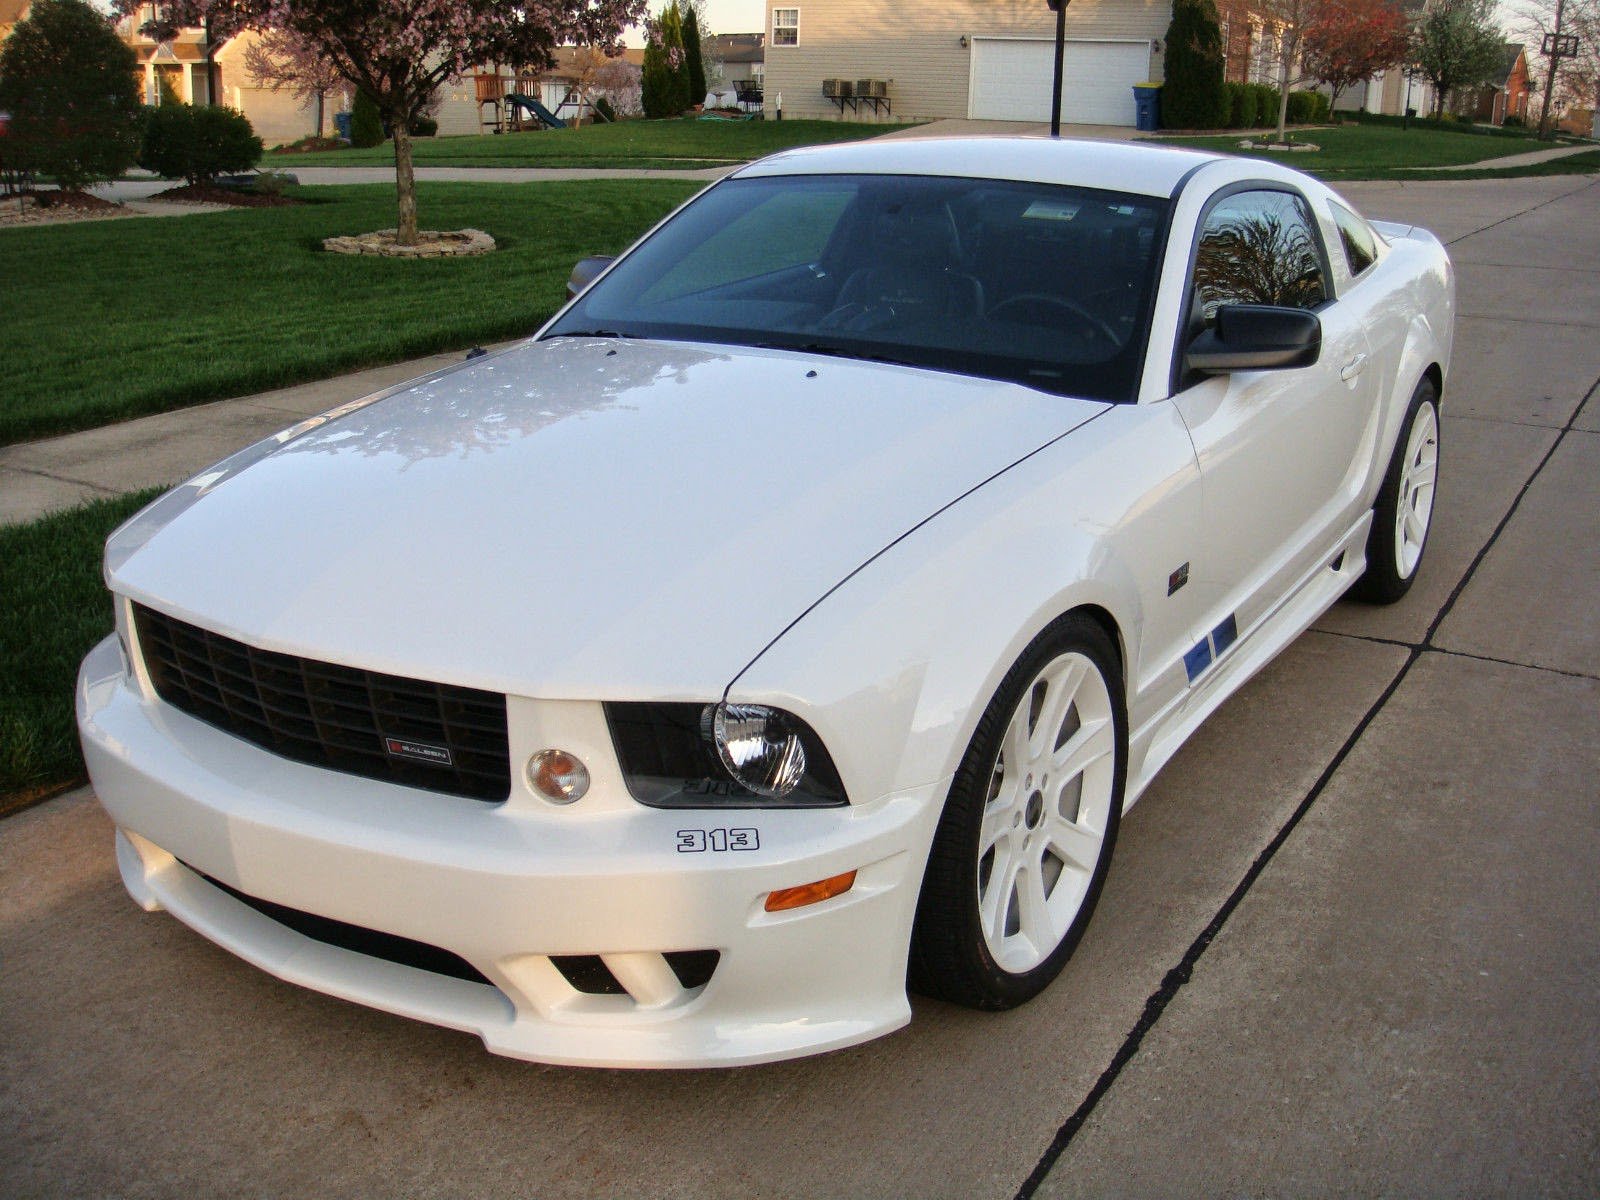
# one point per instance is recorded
(536, 110)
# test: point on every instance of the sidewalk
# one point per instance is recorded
(40, 477)
(1514, 160)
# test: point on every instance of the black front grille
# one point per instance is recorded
(424, 735)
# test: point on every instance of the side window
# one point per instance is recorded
(1258, 248)
(1360, 241)
(786, 27)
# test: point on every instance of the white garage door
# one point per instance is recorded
(1011, 80)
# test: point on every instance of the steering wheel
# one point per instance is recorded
(859, 317)
(1095, 324)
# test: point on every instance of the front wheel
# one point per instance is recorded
(1025, 841)
(1404, 511)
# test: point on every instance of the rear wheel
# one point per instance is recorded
(1404, 511)
(1025, 841)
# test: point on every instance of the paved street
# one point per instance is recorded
(1348, 945)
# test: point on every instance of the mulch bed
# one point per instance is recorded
(52, 207)
(71, 201)
(202, 193)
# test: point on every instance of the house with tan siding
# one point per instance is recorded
(982, 59)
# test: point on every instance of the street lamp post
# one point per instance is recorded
(1059, 7)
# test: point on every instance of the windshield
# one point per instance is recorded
(1035, 283)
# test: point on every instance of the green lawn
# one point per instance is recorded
(114, 319)
(56, 608)
(685, 142)
(1369, 151)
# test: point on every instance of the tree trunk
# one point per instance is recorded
(405, 185)
(1285, 53)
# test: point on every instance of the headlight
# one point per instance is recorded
(759, 746)
(722, 756)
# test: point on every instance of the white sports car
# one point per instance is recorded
(794, 615)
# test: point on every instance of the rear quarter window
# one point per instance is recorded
(1360, 241)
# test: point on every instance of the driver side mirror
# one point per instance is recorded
(1255, 337)
(587, 270)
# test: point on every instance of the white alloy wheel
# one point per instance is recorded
(1046, 816)
(1415, 508)
(1403, 510)
(1025, 840)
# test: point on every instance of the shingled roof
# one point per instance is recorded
(1510, 52)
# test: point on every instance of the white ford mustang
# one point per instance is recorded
(793, 616)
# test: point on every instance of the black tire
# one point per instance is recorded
(951, 958)
(1390, 571)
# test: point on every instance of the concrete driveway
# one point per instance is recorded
(1349, 944)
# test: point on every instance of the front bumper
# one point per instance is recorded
(506, 887)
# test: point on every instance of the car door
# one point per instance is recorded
(1280, 451)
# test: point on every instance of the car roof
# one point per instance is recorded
(1114, 166)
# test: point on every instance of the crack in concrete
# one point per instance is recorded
(1488, 658)
(99, 487)
(1529, 320)
(1176, 978)
(1533, 208)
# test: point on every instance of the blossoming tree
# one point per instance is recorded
(400, 51)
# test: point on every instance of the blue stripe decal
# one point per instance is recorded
(1225, 635)
(1197, 660)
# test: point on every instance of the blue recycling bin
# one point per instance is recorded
(341, 125)
(1147, 107)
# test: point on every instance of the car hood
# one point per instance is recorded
(576, 518)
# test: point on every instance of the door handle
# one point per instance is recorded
(1353, 368)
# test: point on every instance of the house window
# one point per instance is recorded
(786, 27)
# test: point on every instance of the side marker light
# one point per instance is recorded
(810, 893)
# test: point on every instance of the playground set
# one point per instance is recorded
(510, 106)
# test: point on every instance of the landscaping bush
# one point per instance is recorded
(69, 84)
(1307, 108)
(1241, 106)
(198, 144)
(603, 107)
(424, 127)
(1193, 96)
(271, 183)
(366, 126)
(1514, 122)
(693, 66)
(1266, 105)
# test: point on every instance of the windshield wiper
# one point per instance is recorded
(834, 350)
(594, 333)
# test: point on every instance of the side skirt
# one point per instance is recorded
(1158, 739)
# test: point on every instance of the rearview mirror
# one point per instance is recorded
(1256, 337)
(586, 271)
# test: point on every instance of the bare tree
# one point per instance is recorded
(1290, 19)
(1569, 80)
(280, 61)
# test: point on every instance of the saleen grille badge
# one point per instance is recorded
(426, 752)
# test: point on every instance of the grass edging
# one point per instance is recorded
(56, 608)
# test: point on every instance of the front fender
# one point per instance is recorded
(894, 668)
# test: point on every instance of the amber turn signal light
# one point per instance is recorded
(810, 893)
